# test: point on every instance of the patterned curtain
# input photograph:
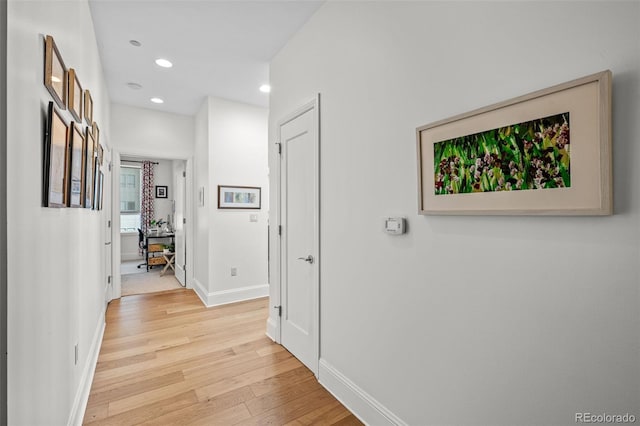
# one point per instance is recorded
(146, 209)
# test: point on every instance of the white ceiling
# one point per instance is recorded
(218, 48)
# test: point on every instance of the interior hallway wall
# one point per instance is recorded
(231, 150)
(465, 320)
(56, 263)
(3, 212)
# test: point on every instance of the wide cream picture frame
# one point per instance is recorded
(588, 101)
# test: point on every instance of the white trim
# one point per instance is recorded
(360, 403)
(201, 291)
(225, 297)
(312, 105)
(272, 329)
(82, 394)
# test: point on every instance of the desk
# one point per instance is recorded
(156, 248)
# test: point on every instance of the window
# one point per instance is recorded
(130, 195)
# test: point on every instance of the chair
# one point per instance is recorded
(142, 245)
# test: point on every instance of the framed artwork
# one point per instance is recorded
(161, 191)
(90, 170)
(544, 153)
(96, 133)
(100, 154)
(97, 204)
(56, 159)
(55, 73)
(88, 108)
(239, 197)
(78, 165)
(75, 95)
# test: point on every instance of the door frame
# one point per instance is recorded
(277, 289)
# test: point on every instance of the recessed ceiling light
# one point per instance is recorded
(134, 86)
(135, 43)
(265, 88)
(157, 101)
(163, 63)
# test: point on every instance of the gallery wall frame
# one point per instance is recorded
(55, 73)
(75, 95)
(88, 108)
(57, 158)
(96, 133)
(90, 169)
(544, 153)
(78, 165)
(239, 197)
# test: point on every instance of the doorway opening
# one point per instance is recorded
(152, 205)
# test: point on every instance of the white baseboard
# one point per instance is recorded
(201, 291)
(360, 403)
(224, 297)
(272, 330)
(82, 394)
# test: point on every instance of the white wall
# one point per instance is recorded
(55, 275)
(239, 145)
(3, 213)
(150, 133)
(201, 212)
(231, 149)
(465, 320)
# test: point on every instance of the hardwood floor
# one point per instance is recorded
(168, 360)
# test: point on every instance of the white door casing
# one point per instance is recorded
(180, 182)
(300, 237)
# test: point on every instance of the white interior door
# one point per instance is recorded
(299, 211)
(180, 183)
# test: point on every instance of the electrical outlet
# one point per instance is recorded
(253, 218)
(234, 272)
(76, 354)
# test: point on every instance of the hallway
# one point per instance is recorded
(166, 359)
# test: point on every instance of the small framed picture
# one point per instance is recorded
(96, 133)
(239, 197)
(90, 170)
(75, 95)
(78, 166)
(88, 108)
(56, 160)
(55, 73)
(161, 191)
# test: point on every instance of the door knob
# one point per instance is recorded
(307, 259)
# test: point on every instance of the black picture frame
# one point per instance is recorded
(56, 159)
(161, 191)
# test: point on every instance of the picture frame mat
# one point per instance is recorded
(590, 169)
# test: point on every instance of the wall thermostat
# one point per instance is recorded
(395, 225)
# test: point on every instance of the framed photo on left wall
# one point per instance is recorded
(56, 160)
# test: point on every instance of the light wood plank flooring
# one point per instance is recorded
(167, 360)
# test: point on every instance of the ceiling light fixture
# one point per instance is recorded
(163, 63)
(265, 88)
(135, 43)
(134, 86)
(157, 101)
